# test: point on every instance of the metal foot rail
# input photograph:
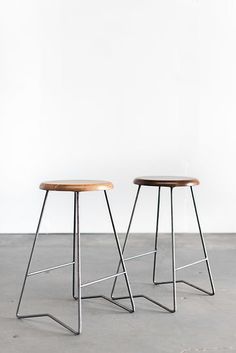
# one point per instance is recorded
(191, 264)
(101, 279)
(140, 255)
(49, 269)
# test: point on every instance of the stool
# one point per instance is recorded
(171, 183)
(76, 186)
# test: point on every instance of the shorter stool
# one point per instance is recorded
(171, 183)
(76, 187)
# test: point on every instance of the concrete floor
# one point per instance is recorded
(202, 323)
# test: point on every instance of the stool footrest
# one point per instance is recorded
(143, 254)
(102, 279)
(191, 264)
(50, 269)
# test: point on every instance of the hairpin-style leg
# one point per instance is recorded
(120, 255)
(31, 255)
(148, 253)
(27, 274)
(124, 271)
(173, 251)
(205, 259)
(156, 236)
(203, 246)
(173, 262)
(78, 265)
(73, 248)
(126, 238)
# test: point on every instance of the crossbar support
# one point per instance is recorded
(50, 269)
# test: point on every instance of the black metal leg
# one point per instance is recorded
(31, 255)
(203, 245)
(27, 274)
(120, 255)
(133, 257)
(73, 248)
(156, 236)
(173, 251)
(196, 262)
(78, 266)
(126, 238)
(173, 262)
(124, 272)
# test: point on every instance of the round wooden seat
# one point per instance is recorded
(76, 185)
(169, 181)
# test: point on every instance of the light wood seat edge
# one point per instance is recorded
(76, 185)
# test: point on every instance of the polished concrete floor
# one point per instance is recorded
(201, 324)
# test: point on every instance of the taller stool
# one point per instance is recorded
(171, 183)
(76, 186)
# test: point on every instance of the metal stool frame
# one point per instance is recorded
(174, 269)
(76, 265)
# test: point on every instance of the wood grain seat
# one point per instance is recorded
(166, 181)
(76, 185)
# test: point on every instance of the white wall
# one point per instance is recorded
(112, 90)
